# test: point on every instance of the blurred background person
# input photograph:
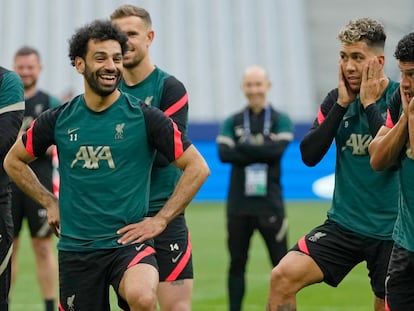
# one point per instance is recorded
(27, 65)
(11, 116)
(253, 142)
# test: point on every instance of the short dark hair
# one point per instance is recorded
(100, 30)
(127, 10)
(364, 29)
(405, 48)
(27, 50)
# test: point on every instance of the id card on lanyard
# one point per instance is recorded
(255, 182)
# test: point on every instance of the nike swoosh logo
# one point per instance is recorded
(148, 100)
(138, 248)
(175, 259)
(70, 131)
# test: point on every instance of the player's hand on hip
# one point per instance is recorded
(139, 232)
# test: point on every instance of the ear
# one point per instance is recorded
(151, 36)
(80, 64)
(381, 59)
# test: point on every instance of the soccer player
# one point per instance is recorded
(392, 148)
(253, 141)
(27, 65)
(159, 89)
(360, 221)
(106, 142)
(11, 117)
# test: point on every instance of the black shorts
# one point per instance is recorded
(6, 242)
(337, 251)
(24, 207)
(174, 252)
(400, 280)
(85, 277)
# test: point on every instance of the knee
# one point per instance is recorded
(142, 300)
(281, 281)
(42, 249)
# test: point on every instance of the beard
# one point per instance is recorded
(93, 80)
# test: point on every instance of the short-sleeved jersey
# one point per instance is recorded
(105, 160)
(231, 141)
(35, 106)
(168, 94)
(404, 227)
(11, 114)
(364, 200)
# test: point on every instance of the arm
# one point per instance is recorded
(16, 166)
(165, 136)
(273, 146)
(195, 172)
(317, 142)
(228, 146)
(174, 104)
(269, 151)
(229, 153)
(386, 147)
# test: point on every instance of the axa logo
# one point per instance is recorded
(358, 143)
(91, 156)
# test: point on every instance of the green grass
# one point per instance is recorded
(207, 225)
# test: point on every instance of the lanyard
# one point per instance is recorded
(266, 125)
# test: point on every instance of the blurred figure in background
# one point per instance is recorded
(28, 65)
(253, 142)
(11, 116)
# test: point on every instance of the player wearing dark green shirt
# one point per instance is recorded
(361, 218)
(162, 90)
(11, 115)
(392, 147)
(106, 142)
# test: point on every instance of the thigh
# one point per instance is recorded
(37, 219)
(377, 255)
(335, 250)
(133, 273)
(273, 229)
(239, 230)
(83, 281)
(174, 252)
(400, 280)
(175, 295)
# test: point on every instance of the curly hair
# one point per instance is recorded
(405, 48)
(100, 30)
(363, 29)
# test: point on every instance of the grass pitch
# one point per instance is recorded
(207, 226)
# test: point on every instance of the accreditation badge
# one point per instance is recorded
(256, 179)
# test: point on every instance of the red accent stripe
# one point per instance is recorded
(177, 105)
(387, 307)
(181, 264)
(29, 140)
(60, 306)
(302, 246)
(146, 252)
(178, 144)
(321, 117)
(388, 121)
